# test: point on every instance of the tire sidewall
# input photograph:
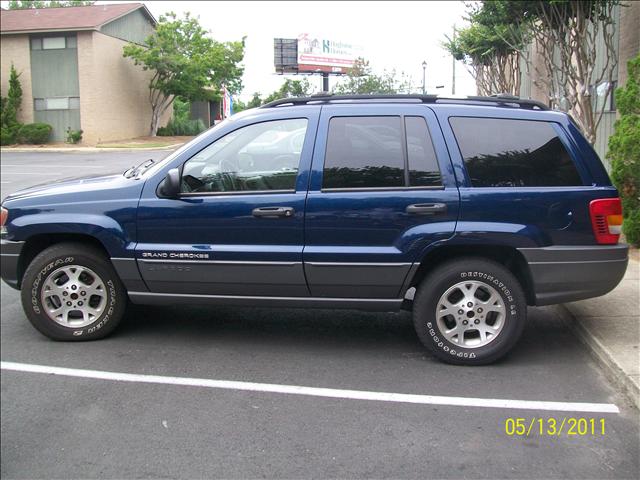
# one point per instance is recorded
(501, 281)
(34, 280)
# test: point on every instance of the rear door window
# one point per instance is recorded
(364, 152)
(375, 152)
(423, 163)
(513, 153)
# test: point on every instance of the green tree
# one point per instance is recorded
(360, 79)
(12, 103)
(573, 39)
(238, 105)
(186, 62)
(490, 46)
(255, 101)
(290, 88)
(624, 151)
(25, 4)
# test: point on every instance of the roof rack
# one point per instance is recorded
(323, 98)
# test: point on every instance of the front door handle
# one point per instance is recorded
(273, 212)
(426, 208)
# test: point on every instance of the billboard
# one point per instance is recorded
(321, 53)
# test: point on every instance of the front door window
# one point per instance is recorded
(260, 157)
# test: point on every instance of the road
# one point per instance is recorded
(61, 426)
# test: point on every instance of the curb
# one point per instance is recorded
(87, 149)
(600, 353)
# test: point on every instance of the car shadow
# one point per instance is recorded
(313, 329)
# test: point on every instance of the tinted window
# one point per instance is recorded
(263, 156)
(364, 152)
(513, 153)
(423, 165)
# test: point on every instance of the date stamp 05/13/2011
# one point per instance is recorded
(556, 427)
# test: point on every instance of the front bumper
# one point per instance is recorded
(566, 274)
(9, 257)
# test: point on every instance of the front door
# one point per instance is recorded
(382, 191)
(237, 228)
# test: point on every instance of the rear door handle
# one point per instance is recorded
(273, 212)
(426, 208)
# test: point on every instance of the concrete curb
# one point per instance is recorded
(86, 149)
(613, 370)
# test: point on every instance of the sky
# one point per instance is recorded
(394, 35)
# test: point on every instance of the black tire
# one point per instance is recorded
(64, 255)
(478, 272)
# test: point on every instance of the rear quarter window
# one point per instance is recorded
(513, 153)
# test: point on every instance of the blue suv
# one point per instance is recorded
(463, 211)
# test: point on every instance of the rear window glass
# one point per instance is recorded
(513, 153)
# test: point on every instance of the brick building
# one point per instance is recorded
(72, 70)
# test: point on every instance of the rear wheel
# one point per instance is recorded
(71, 292)
(469, 311)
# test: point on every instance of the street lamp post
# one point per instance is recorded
(424, 77)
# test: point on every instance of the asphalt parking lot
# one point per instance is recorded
(251, 423)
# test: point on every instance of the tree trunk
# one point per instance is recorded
(155, 121)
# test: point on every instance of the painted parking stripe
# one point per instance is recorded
(317, 392)
(52, 165)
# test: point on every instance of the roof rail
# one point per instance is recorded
(323, 98)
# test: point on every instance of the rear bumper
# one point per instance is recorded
(9, 256)
(566, 274)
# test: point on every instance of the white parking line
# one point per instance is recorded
(317, 392)
(53, 165)
(32, 173)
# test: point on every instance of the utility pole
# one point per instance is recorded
(424, 77)
(453, 63)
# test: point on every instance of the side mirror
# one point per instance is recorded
(170, 186)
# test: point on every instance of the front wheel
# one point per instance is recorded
(71, 292)
(469, 311)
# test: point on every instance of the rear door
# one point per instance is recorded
(382, 191)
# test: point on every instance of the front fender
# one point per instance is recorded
(111, 233)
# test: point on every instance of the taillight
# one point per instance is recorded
(606, 219)
(4, 213)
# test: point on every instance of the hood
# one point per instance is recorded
(93, 185)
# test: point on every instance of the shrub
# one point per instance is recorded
(73, 136)
(6, 136)
(10, 105)
(182, 127)
(34, 133)
(624, 151)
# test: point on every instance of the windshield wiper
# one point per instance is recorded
(135, 171)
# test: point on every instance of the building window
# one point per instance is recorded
(56, 103)
(51, 43)
(54, 43)
(598, 92)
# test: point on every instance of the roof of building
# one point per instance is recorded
(90, 17)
